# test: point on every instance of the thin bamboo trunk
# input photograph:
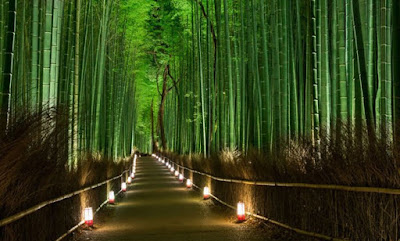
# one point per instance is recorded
(8, 65)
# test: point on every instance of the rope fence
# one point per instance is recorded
(41, 205)
(83, 221)
(300, 185)
(390, 191)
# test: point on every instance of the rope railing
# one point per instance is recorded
(41, 205)
(297, 230)
(391, 191)
(83, 221)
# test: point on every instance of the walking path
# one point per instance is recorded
(157, 207)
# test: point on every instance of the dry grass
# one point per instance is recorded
(353, 159)
(33, 169)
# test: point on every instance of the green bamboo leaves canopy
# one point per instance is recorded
(253, 73)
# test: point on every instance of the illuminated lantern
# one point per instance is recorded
(176, 173)
(180, 177)
(123, 186)
(111, 197)
(133, 175)
(189, 183)
(89, 216)
(241, 214)
(129, 181)
(206, 193)
(172, 169)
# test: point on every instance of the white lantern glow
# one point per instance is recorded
(129, 181)
(88, 213)
(241, 214)
(172, 169)
(111, 197)
(123, 186)
(180, 177)
(206, 193)
(176, 173)
(189, 183)
(133, 175)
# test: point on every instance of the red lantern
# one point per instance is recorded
(206, 193)
(89, 216)
(189, 183)
(241, 213)
(111, 197)
(123, 186)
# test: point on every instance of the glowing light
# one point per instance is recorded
(123, 186)
(176, 173)
(241, 214)
(133, 175)
(88, 216)
(172, 169)
(189, 183)
(180, 177)
(129, 181)
(206, 193)
(111, 197)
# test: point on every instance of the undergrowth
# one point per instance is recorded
(34, 168)
(353, 158)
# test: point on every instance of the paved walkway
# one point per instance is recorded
(158, 207)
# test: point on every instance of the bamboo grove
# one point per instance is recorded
(259, 73)
(70, 56)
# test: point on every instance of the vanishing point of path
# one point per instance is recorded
(158, 207)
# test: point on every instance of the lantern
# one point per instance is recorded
(176, 173)
(189, 183)
(172, 169)
(241, 214)
(206, 193)
(180, 177)
(89, 216)
(129, 181)
(123, 186)
(133, 175)
(111, 197)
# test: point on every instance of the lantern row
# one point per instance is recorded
(240, 210)
(88, 211)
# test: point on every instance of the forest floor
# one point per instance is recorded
(158, 207)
